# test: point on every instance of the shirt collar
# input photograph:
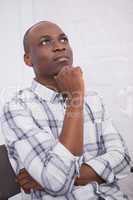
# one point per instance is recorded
(46, 93)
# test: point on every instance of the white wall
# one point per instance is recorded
(101, 34)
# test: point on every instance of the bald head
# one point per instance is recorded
(27, 33)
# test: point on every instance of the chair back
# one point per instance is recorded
(8, 186)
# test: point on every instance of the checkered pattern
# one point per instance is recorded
(32, 122)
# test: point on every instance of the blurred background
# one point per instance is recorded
(101, 35)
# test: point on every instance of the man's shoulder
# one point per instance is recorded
(23, 95)
(93, 99)
(93, 95)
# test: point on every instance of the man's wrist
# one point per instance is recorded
(76, 100)
(75, 110)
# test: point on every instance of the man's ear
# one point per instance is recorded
(27, 60)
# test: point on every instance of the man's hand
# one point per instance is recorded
(26, 182)
(70, 81)
(87, 175)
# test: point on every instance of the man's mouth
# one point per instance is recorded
(61, 59)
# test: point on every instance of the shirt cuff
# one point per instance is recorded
(102, 168)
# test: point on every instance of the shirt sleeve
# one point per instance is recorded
(47, 160)
(114, 163)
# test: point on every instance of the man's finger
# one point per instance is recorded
(22, 178)
(23, 175)
(29, 184)
(24, 182)
(27, 191)
(63, 71)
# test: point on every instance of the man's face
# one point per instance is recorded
(49, 49)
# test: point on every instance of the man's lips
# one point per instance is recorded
(61, 58)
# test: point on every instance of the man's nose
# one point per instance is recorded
(58, 47)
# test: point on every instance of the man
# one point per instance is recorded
(60, 140)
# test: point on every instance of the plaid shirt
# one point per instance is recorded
(32, 122)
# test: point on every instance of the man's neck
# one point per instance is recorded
(49, 83)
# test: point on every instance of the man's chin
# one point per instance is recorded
(61, 67)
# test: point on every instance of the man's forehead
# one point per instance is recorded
(44, 28)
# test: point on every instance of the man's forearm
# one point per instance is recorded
(72, 133)
(87, 175)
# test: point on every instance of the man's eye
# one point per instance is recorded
(64, 39)
(45, 42)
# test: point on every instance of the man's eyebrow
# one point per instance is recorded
(48, 36)
(44, 36)
(62, 34)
